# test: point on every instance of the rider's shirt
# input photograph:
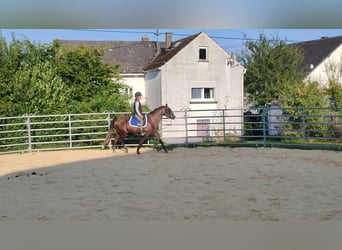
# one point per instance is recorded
(137, 108)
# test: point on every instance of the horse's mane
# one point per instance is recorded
(155, 110)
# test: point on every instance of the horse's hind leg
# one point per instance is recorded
(126, 149)
(119, 139)
(124, 146)
(115, 143)
(141, 141)
(122, 139)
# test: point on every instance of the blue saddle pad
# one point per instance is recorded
(135, 123)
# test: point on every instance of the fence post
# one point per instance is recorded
(264, 126)
(108, 120)
(186, 126)
(28, 122)
(224, 126)
(70, 131)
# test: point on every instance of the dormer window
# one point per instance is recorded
(203, 53)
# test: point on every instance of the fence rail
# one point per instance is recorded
(265, 126)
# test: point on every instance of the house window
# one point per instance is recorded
(203, 54)
(201, 94)
(129, 92)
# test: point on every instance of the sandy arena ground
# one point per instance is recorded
(187, 184)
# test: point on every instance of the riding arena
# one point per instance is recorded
(185, 184)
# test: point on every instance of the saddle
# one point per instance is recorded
(133, 122)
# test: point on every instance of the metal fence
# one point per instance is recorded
(267, 126)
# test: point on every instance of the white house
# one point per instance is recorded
(196, 73)
(323, 59)
(193, 73)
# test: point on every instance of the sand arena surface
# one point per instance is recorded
(187, 184)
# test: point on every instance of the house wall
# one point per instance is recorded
(185, 71)
(137, 83)
(330, 68)
(153, 89)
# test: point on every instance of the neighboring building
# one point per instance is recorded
(193, 73)
(322, 62)
(322, 59)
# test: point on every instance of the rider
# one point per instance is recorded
(138, 111)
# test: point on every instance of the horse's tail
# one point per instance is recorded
(110, 131)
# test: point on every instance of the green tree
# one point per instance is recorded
(95, 85)
(42, 91)
(270, 65)
(47, 79)
(5, 74)
(333, 91)
(29, 80)
(304, 95)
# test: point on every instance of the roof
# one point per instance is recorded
(166, 54)
(316, 51)
(132, 56)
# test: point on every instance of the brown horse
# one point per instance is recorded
(122, 127)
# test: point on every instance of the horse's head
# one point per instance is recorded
(168, 112)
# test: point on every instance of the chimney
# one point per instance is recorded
(145, 39)
(168, 39)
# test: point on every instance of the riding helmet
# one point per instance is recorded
(137, 94)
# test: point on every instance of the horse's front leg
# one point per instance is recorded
(156, 135)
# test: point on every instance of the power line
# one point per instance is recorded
(116, 31)
(157, 33)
